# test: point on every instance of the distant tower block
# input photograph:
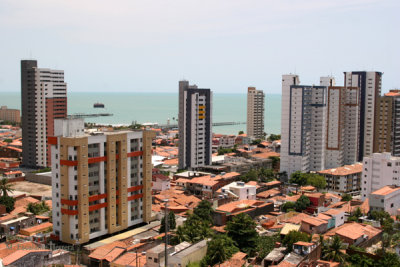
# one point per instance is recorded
(255, 113)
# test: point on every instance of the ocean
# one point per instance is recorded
(159, 107)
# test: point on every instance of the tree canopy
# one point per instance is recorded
(204, 211)
(293, 237)
(219, 249)
(313, 179)
(38, 208)
(242, 229)
(171, 223)
(302, 203)
(273, 137)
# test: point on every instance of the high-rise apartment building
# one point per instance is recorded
(101, 182)
(369, 84)
(379, 170)
(387, 124)
(12, 115)
(342, 126)
(43, 99)
(255, 113)
(195, 126)
(302, 126)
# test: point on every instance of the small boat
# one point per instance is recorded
(98, 105)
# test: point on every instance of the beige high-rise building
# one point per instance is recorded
(387, 124)
(255, 113)
(12, 115)
(101, 182)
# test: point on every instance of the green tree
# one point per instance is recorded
(204, 211)
(240, 132)
(242, 229)
(38, 208)
(356, 214)
(193, 230)
(265, 245)
(273, 137)
(275, 162)
(298, 178)
(266, 175)
(8, 202)
(346, 197)
(389, 259)
(334, 250)
(7, 140)
(5, 187)
(302, 203)
(360, 260)
(219, 249)
(251, 175)
(315, 180)
(288, 206)
(171, 222)
(256, 142)
(293, 237)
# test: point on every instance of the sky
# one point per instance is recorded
(225, 45)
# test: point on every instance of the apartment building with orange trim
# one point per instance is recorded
(101, 182)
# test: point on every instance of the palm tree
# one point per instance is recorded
(334, 252)
(5, 187)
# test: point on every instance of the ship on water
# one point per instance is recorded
(98, 105)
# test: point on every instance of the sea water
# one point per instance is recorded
(159, 107)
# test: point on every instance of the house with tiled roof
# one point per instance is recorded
(357, 234)
(253, 208)
(28, 253)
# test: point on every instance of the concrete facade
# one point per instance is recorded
(387, 124)
(101, 183)
(12, 115)
(369, 84)
(304, 111)
(43, 99)
(195, 126)
(255, 113)
(379, 170)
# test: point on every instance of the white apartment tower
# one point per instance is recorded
(342, 126)
(379, 170)
(302, 126)
(255, 113)
(195, 126)
(43, 99)
(369, 84)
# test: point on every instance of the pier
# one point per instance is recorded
(169, 126)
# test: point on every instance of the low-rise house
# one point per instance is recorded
(356, 234)
(318, 202)
(303, 248)
(12, 224)
(386, 198)
(37, 229)
(338, 216)
(274, 257)
(345, 179)
(239, 191)
(28, 253)
(253, 208)
(237, 260)
(14, 176)
(160, 181)
(314, 225)
(192, 253)
(156, 255)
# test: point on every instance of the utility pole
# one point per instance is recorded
(166, 231)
